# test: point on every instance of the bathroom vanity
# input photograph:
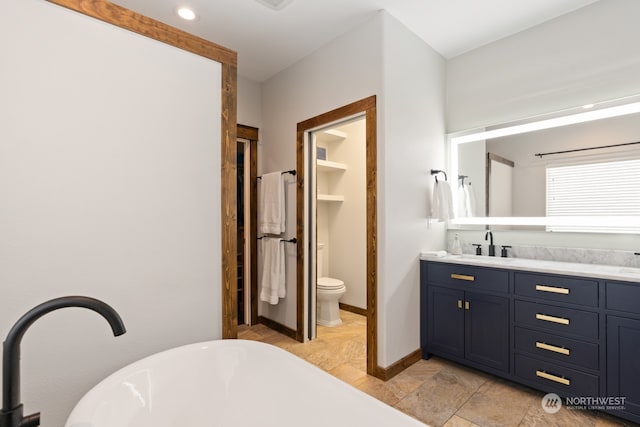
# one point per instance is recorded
(571, 329)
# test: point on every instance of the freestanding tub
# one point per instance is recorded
(230, 383)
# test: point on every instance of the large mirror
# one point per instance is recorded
(577, 170)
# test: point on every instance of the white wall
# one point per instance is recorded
(249, 103)
(412, 143)
(381, 58)
(579, 58)
(586, 56)
(109, 187)
(347, 221)
(345, 70)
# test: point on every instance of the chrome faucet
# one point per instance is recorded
(11, 413)
(492, 247)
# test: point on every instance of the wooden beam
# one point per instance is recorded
(149, 27)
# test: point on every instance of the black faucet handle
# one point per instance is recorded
(478, 248)
(503, 253)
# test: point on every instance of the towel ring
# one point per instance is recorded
(437, 171)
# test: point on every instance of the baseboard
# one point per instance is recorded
(279, 327)
(387, 373)
(353, 309)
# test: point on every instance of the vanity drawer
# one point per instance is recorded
(557, 288)
(551, 377)
(468, 277)
(537, 343)
(559, 319)
(623, 297)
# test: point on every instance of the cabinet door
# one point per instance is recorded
(623, 367)
(445, 321)
(487, 330)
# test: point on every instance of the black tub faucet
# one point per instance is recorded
(11, 413)
(492, 248)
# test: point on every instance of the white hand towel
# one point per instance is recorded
(472, 201)
(466, 201)
(463, 205)
(271, 219)
(442, 205)
(272, 279)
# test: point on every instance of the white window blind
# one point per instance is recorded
(597, 189)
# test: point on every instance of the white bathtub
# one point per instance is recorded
(231, 383)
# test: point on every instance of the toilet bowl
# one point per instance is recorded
(329, 291)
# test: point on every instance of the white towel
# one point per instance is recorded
(272, 280)
(433, 254)
(271, 218)
(472, 200)
(466, 201)
(442, 205)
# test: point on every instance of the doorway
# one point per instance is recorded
(246, 304)
(306, 214)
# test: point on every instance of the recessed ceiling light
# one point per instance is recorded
(587, 106)
(275, 4)
(186, 14)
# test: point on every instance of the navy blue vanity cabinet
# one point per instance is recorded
(466, 314)
(574, 336)
(557, 343)
(623, 346)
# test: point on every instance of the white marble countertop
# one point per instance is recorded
(629, 274)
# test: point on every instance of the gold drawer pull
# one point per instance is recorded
(553, 319)
(466, 305)
(553, 289)
(555, 378)
(459, 303)
(553, 348)
(463, 277)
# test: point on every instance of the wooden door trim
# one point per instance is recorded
(368, 107)
(124, 18)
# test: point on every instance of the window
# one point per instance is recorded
(606, 189)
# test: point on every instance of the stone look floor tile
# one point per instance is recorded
(457, 421)
(497, 403)
(436, 400)
(435, 391)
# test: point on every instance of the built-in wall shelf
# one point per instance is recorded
(331, 135)
(328, 166)
(330, 198)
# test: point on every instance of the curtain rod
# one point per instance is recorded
(585, 149)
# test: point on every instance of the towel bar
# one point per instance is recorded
(292, 172)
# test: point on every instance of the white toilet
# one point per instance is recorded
(328, 291)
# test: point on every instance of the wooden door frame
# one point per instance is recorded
(251, 134)
(129, 20)
(366, 106)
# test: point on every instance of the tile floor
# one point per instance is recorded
(436, 391)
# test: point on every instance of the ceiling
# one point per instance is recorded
(268, 41)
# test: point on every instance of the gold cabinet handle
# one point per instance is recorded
(553, 319)
(459, 303)
(553, 348)
(555, 378)
(463, 277)
(552, 289)
(466, 305)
